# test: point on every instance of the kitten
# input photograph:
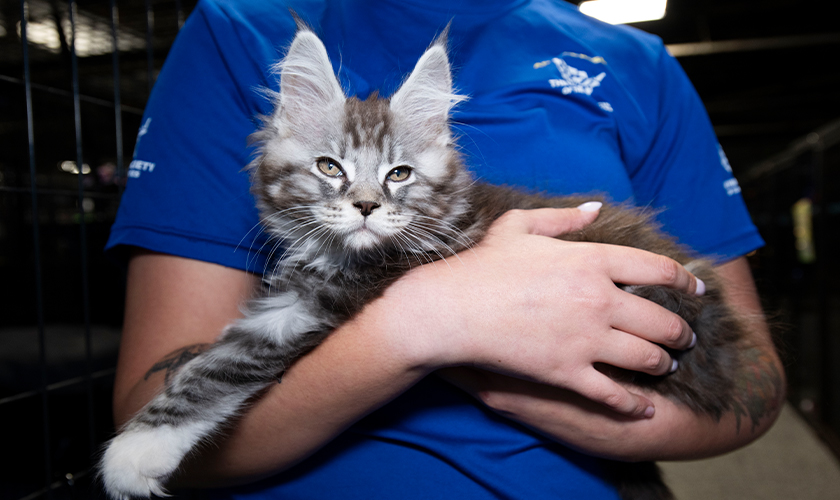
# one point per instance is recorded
(358, 192)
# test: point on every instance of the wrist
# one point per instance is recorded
(414, 318)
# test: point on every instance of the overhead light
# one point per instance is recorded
(93, 33)
(43, 34)
(70, 167)
(624, 11)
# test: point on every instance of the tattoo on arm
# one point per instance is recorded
(175, 360)
(758, 388)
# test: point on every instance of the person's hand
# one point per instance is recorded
(676, 432)
(524, 304)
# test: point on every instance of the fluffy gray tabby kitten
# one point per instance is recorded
(359, 191)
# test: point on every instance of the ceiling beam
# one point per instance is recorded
(820, 139)
(750, 44)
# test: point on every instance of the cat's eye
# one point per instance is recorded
(330, 167)
(399, 174)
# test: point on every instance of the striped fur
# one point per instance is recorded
(354, 193)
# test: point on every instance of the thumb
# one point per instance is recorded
(556, 221)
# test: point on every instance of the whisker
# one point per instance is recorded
(431, 249)
(417, 252)
(395, 241)
(459, 236)
(312, 233)
(269, 222)
(442, 224)
(423, 232)
(279, 242)
(434, 233)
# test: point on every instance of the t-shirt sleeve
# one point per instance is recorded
(683, 169)
(188, 193)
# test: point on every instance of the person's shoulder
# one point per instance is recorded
(247, 30)
(619, 44)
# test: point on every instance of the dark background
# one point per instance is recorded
(767, 72)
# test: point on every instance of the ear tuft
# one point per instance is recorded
(299, 22)
(443, 38)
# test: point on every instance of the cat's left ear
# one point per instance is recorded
(425, 99)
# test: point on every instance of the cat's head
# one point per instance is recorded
(337, 174)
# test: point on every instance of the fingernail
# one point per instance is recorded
(591, 206)
(693, 340)
(701, 288)
(649, 411)
(674, 365)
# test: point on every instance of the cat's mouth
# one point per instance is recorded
(367, 233)
(363, 238)
(367, 225)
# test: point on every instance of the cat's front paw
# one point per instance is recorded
(138, 462)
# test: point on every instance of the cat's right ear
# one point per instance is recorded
(309, 91)
(424, 100)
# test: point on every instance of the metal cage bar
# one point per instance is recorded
(83, 240)
(115, 62)
(36, 246)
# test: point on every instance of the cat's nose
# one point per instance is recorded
(366, 207)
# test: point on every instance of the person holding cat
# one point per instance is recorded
(559, 103)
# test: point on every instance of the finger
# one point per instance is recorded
(551, 222)
(632, 266)
(601, 389)
(633, 353)
(650, 321)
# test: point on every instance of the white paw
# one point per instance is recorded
(138, 461)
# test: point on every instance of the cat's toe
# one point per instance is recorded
(138, 462)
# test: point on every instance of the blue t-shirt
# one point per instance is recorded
(559, 103)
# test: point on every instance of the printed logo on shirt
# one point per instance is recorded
(605, 106)
(139, 166)
(573, 79)
(730, 185)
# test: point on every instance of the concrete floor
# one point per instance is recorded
(789, 462)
